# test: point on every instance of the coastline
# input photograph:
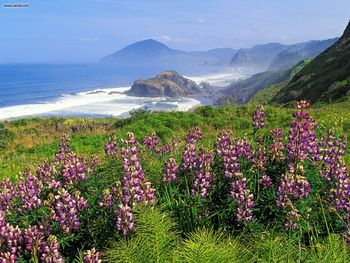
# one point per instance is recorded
(112, 102)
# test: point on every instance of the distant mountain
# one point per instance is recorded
(258, 57)
(153, 52)
(326, 78)
(168, 83)
(274, 55)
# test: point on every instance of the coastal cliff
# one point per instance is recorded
(166, 84)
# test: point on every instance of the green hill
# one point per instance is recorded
(325, 79)
(264, 96)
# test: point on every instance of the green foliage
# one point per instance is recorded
(269, 247)
(332, 249)
(208, 246)
(155, 239)
(5, 136)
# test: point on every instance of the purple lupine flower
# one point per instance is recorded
(39, 241)
(108, 197)
(29, 192)
(245, 200)
(334, 170)
(170, 170)
(134, 186)
(74, 169)
(125, 219)
(292, 220)
(7, 193)
(194, 135)
(259, 157)
(189, 155)
(151, 141)
(266, 182)
(65, 208)
(134, 181)
(203, 175)
(111, 147)
(231, 150)
(302, 139)
(92, 256)
(332, 151)
(303, 105)
(292, 185)
(259, 118)
(11, 239)
(95, 160)
(231, 162)
(33, 236)
(46, 174)
(223, 142)
(64, 148)
(276, 148)
(243, 148)
(49, 251)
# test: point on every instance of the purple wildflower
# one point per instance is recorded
(11, 239)
(111, 146)
(92, 256)
(125, 219)
(29, 192)
(65, 208)
(245, 200)
(266, 182)
(276, 148)
(170, 170)
(259, 118)
(203, 175)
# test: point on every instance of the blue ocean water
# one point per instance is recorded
(40, 83)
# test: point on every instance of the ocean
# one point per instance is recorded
(87, 90)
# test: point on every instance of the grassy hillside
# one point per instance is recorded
(325, 79)
(184, 219)
(265, 95)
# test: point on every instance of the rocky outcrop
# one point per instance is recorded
(166, 84)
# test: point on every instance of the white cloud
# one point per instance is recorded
(164, 38)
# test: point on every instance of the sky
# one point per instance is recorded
(87, 30)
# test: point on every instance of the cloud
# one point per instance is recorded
(164, 38)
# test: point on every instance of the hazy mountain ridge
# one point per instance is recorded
(258, 58)
(275, 55)
(153, 52)
(326, 78)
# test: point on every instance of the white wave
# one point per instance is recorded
(98, 102)
(113, 101)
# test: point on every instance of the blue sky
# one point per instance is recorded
(86, 30)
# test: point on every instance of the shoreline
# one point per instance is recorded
(112, 102)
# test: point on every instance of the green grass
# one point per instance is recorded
(30, 141)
